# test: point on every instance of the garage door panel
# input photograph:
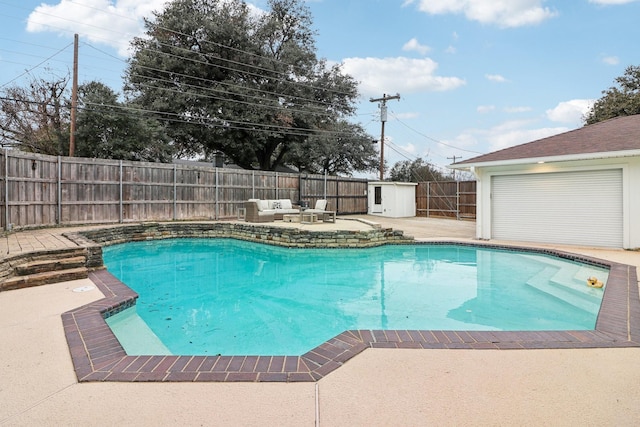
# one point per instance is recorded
(582, 208)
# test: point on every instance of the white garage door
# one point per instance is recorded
(576, 208)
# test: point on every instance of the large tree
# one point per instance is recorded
(415, 171)
(34, 118)
(623, 100)
(109, 129)
(246, 83)
(342, 148)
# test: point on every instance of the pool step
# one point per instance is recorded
(44, 278)
(569, 287)
(44, 268)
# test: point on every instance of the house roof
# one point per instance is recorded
(601, 139)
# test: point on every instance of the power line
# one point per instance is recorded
(299, 83)
(194, 120)
(321, 108)
(211, 42)
(195, 60)
(430, 138)
(205, 41)
(36, 66)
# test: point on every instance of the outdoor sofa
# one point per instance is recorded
(268, 210)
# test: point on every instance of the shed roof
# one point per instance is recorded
(611, 136)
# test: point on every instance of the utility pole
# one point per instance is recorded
(74, 98)
(454, 160)
(383, 119)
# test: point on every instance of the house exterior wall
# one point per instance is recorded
(630, 193)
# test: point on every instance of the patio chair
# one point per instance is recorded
(254, 214)
(321, 210)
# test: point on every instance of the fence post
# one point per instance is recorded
(120, 194)
(253, 184)
(59, 191)
(6, 190)
(428, 186)
(337, 195)
(175, 191)
(216, 209)
(324, 195)
(458, 200)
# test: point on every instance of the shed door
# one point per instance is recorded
(575, 208)
(377, 199)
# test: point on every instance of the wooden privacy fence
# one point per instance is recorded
(39, 190)
(452, 199)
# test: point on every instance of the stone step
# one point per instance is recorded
(45, 278)
(42, 266)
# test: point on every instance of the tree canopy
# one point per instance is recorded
(623, 100)
(228, 79)
(415, 171)
(106, 129)
(34, 118)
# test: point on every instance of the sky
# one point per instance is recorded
(474, 76)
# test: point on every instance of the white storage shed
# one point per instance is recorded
(392, 199)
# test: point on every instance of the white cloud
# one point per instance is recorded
(403, 75)
(409, 148)
(516, 132)
(521, 136)
(611, 60)
(504, 13)
(407, 115)
(504, 135)
(100, 21)
(495, 78)
(570, 111)
(483, 109)
(414, 45)
(512, 110)
(108, 22)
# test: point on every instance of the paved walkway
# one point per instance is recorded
(380, 387)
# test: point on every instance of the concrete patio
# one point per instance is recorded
(381, 387)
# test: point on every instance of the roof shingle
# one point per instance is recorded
(617, 134)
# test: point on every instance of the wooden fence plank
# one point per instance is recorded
(40, 190)
(452, 199)
(71, 190)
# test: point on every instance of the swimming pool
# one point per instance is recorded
(300, 298)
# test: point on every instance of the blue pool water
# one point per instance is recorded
(225, 296)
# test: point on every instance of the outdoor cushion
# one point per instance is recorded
(321, 205)
(285, 204)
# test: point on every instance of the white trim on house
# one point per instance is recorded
(551, 159)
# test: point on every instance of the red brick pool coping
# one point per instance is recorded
(98, 356)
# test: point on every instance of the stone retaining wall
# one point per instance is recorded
(280, 236)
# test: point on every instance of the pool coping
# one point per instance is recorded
(98, 356)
